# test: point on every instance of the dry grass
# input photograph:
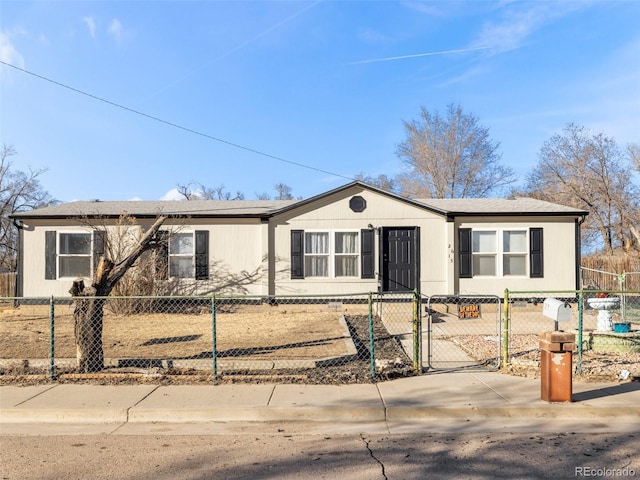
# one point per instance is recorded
(289, 332)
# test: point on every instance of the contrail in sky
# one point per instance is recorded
(428, 54)
(234, 49)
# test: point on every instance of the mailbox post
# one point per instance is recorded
(556, 355)
(556, 365)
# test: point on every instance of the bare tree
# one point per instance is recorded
(450, 156)
(283, 192)
(19, 191)
(197, 191)
(381, 181)
(633, 150)
(589, 171)
(116, 240)
(89, 301)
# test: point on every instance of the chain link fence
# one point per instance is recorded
(463, 331)
(329, 339)
(606, 326)
(337, 339)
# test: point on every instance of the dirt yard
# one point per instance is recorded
(247, 337)
(314, 343)
(285, 332)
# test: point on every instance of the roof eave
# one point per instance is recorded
(261, 216)
(518, 214)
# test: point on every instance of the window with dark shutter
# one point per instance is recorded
(367, 251)
(202, 255)
(536, 258)
(50, 254)
(465, 254)
(297, 253)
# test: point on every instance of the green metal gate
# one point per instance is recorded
(462, 331)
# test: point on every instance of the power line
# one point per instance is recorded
(175, 125)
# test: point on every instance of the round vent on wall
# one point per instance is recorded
(357, 204)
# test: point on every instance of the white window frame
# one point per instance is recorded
(494, 253)
(331, 255)
(500, 252)
(60, 255)
(524, 253)
(191, 256)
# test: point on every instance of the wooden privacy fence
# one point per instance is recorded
(8, 284)
(610, 273)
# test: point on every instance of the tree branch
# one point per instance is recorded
(119, 269)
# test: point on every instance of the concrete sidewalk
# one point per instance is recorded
(435, 398)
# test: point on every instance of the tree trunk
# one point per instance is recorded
(87, 321)
(89, 309)
(87, 318)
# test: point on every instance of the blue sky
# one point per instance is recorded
(322, 84)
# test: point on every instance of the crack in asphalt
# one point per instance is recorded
(366, 444)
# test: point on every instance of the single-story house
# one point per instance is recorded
(354, 239)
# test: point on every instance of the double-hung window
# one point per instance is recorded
(500, 252)
(181, 249)
(183, 255)
(74, 255)
(331, 254)
(514, 252)
(346, 254)
(485, 253)
(316, 254)
(70, 254)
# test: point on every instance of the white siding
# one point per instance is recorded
(249, 256)
(559, 249)
(333, 213)
(236, 253)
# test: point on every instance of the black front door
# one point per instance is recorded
(400, 247)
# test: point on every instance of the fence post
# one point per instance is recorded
(372, 354)
(416, 332)
(623, 297)
(214, 347)
(505, 330)
(52, 339)
(580, 319)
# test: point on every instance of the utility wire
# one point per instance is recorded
(175, 125)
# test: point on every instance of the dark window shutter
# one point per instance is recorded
(297, 253)
(536, 259)
(99, 237)
(162, 256)
(367, 251)
(202, 254)
(465, 253)
(50, 255)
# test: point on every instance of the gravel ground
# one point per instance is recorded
(525, 358)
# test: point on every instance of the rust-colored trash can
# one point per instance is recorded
(556, 366)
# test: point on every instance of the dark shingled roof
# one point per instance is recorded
(267, 208)
(193, 208)
(501, 206)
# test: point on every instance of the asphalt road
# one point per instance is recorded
(284, 454)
